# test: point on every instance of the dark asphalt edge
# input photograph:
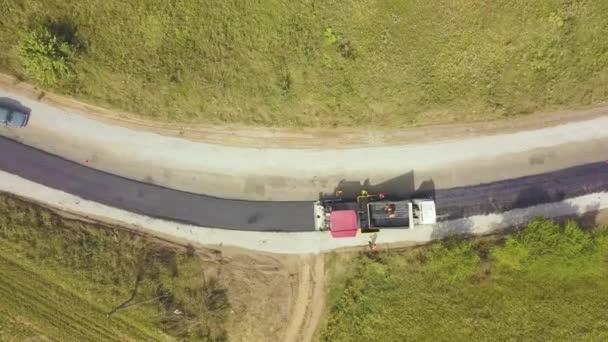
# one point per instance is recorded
(453, 203)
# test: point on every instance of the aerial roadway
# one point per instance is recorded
(56, 168)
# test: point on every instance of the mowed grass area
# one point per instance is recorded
(32, 306)
(60, 279)
(547, 282)
(321, 63)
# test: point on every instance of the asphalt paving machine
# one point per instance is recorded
(371, 212)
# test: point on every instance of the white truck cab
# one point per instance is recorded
(423, 211)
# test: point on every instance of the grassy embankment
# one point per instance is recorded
(60, 278)
(321, 63)
(544, 283)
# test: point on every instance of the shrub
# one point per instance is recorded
(454, 260)
(330, 36)
(548, 248)
(45, 58)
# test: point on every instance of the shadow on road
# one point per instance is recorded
(398, 188)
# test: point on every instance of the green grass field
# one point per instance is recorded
(32, 306)
(60, 278)
(544, 283)
(316, 63)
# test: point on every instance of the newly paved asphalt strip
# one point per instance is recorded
(149, 199)
(160, 202)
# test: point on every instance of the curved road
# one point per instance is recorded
(287, 174)
(160, 202)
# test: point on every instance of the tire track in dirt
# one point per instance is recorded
(309, 303)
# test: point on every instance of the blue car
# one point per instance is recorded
(12, 117)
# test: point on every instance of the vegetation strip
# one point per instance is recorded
(61, 278)
(547, 281)
(313, 64)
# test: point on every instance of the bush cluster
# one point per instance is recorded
(45, 57)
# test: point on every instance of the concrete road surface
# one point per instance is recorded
(284, 174)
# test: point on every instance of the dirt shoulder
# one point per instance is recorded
(309, 300)
(237, 135)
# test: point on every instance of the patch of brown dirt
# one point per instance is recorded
(272, 297)
(235, 135)
(309, 300)
(260, 293)
(602, 217)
